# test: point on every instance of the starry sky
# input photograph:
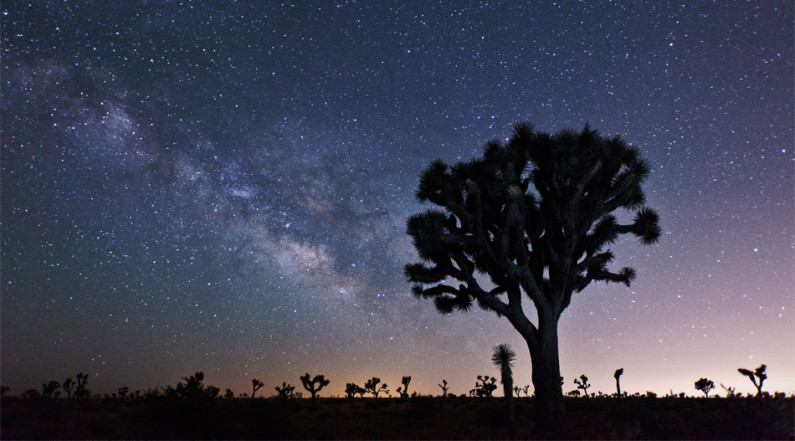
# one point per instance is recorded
(223, 186)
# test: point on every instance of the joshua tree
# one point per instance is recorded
(50, 389)
(758, 373)
(730, 391)
(444, 388)
(705, 385)
(535, 215)
(485, 386)
(315, 384)
(229, 394)
(352, 389)
(582, 383)
(404, 391)
(255, 386)
(372, 387)
(617, 376)
(503, 357)
(123, 391)
(286, 391)
(68, 386)
(81, 390)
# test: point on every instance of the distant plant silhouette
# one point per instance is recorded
(123, 392)
(371, 386)
(192, 389)
(68, 386)
(285, 391)
(444, 388)
(758, 373)
(30, 394)
(315, 384)
(229, 395)
(4, 390)
(526, 390)
(730, 391)
(503, 357)
(255, 386)
(351, 389)
(518, 391)
(705, 385)
(81, 390)
(404, 391)
(51, 389)
(574, 393)
(617, 376)
(582, 383)
(484, 386)
(534, 215)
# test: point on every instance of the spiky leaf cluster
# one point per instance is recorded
(533, 214)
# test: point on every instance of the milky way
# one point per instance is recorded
(223, 187)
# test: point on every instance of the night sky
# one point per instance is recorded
(223, 187)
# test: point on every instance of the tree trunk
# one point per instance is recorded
(507, 390)
(550, 411)
(618, 388)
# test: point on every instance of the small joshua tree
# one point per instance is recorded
(404, 391)
(286, 391)
(255, 386)
(444, 388)
(315, 384)
(617, 376)
(705, 385)
(50, 389)
(758, 373)
(352, 389)
(730, 391)
(81, 390)
(68, 386)
(485, 386)
(372, 387)
(582, 383)
(123, 392)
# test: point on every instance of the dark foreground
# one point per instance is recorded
(416, 418)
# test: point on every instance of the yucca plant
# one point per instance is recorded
(503, 357)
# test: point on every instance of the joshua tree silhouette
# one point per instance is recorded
(404, 391)
(705, 385)
(286, 391)
(372, 387)
(582, 383)
(534, 214)
(730, 391)
(617, 376)
(444, 388)
(51, 389)
(351, 389)
(315, 384)
(68, 386)
(255, 386)
(484, 386)
(503, 357)
(757, 373)
(81, 391)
